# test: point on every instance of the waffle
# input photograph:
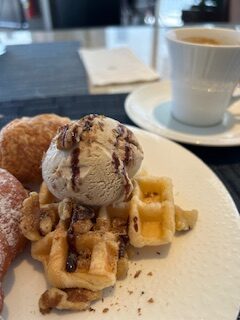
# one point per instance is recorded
(45, 196)
(38, 220)
(152, 212)
(84, 250)
(114, 218)
(185, 219)
(75, 256)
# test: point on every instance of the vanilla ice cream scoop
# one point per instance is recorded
(92, 160)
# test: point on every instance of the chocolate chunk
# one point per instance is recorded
(135, 220)
(80, 213)
(71, 263)
(75, 167)
(137, 274)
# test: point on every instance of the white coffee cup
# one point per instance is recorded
(203, 75)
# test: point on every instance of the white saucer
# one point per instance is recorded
(149, 108)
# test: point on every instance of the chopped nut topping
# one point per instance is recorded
(119, 225)
(82, 226)
(72, 133)
(80, 212)
(31, 217)
(46, 225)
(137, 274)
(150, 300)
(65, 209)
(73, 299)
(48, 301)
(48, 218)
(91, 309)
(105, 310)
(149, 274)
(69, 135)
(102, 224)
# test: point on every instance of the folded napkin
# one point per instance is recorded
(115, 66)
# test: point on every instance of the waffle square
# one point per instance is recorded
(152, 212)
(115, 218)
(97, 255)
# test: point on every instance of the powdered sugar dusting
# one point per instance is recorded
(2, 256)
(1, 297)
(9, 218)
(12, 195)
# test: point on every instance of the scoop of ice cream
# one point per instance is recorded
(92, 160)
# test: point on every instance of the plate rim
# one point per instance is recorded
(165, 132)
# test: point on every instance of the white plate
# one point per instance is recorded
(149, 107)
(196, 277)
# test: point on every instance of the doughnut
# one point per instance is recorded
(23, 142)
(12, 194)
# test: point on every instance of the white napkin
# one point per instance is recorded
(115, 66)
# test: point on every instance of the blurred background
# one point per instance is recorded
(65, 14)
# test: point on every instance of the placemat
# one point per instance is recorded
(225, 162)
(42, 70)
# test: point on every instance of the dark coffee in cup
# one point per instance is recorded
(202, 40)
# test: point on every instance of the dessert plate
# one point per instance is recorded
(195, 277)
(149, 107)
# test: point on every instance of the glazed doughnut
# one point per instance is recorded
(12, 194)
(23, 142)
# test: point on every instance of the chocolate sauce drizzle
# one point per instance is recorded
(123, 244)
(127, 184)
(75, 167)
(135, 220)
(71, 263)
(63, 132)
(78, 213)
(127, 154)
(74, 134)
(116, 161)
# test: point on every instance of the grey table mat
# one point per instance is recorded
(41, 70)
